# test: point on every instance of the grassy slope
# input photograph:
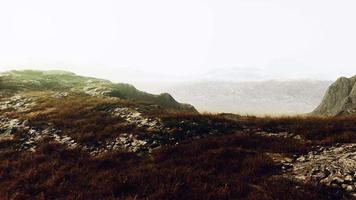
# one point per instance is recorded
(230, 166)
(227, 167)
(30, 80)
(233, 165)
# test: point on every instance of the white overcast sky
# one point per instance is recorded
(182, 38)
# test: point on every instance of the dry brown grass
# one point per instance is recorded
(84, 118)
(320, 130)
(219, 168)
(87, 119)
(230, 165)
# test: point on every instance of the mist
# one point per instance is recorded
(140, 41)
(221, 51)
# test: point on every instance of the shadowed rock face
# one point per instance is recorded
(340, 98)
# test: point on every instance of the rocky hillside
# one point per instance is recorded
(340, 98)
(62, 82)
(64, 136)
(90, 114)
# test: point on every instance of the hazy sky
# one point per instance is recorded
(279, 38)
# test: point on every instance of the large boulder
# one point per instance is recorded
(340, 98)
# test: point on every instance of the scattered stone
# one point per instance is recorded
(17, 102)
(301, 159)
(332, 166)
(279, 134)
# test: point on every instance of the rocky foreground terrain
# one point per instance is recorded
(68, 137)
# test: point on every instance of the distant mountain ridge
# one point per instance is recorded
(340, 98)
(253, 97)
(63, 81)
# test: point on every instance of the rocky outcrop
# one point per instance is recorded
(340, 98)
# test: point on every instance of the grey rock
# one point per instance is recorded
(334, 166)
(340, 98)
